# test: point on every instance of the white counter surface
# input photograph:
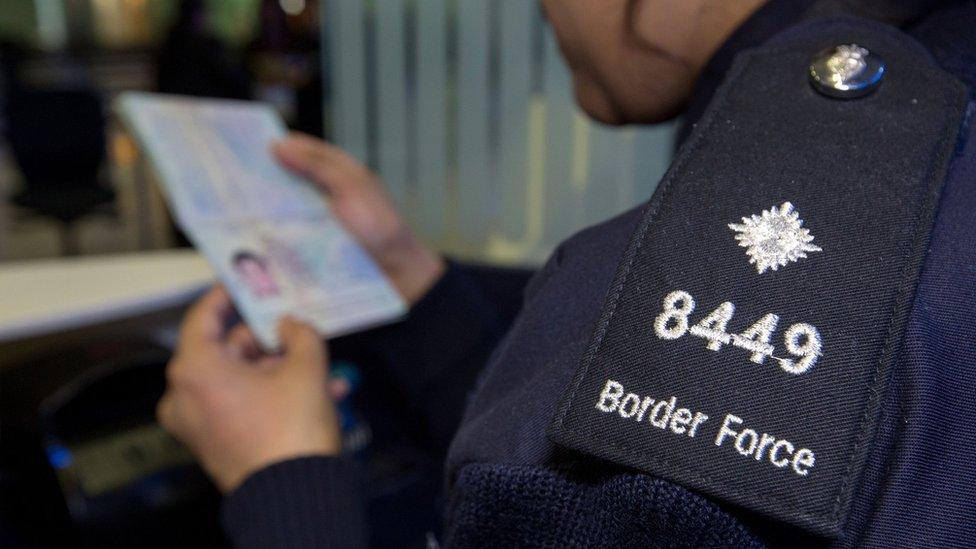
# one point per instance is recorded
(47, 296)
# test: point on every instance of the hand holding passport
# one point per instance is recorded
(270, 236)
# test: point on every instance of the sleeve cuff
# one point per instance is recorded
(442, 329)
(304, 502)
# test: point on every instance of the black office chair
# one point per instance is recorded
(58, 141)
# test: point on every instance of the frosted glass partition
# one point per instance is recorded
(466, 109)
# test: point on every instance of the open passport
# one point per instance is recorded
(269, 235)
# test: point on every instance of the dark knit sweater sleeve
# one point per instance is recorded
(307, 502)
(437, 352)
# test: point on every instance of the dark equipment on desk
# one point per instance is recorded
(121, 481)
(83, 462)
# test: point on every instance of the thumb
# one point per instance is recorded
(301, 344)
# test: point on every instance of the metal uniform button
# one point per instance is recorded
(846, 71)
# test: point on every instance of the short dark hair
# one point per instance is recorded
(245, 255)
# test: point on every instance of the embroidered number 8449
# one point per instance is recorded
(801, 340)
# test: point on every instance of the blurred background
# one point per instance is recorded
(463, 106)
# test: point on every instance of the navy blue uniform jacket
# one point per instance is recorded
(508, 484)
